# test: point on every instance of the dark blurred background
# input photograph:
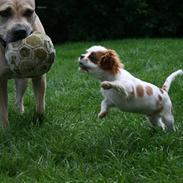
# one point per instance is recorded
(78, 20)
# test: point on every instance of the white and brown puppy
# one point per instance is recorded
(128, 93)
(17, 20)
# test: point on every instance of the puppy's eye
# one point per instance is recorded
(5, 13)
(28, 13)
(92, 57)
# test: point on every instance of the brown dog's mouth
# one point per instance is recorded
(17, 33)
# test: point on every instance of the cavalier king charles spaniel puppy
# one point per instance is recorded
(121, 89)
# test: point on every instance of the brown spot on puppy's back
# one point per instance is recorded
(159, 108)
(140, 91)
(161, 90)
(160, 97)
(149, 90)
(159, 105)
(164, 87)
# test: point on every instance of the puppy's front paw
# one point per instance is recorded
(102, 115)
(106, 85)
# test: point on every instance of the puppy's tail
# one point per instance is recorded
(170, 78)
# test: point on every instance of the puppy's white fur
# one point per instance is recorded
(95, 49)
(121, 89)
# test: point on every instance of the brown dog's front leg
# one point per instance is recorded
(3, 102)
(39, 86)
(21, 85)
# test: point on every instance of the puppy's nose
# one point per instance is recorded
(81, 57)
(19, 33)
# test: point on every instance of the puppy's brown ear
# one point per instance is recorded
(110, 62)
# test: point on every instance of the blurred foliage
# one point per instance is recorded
(75, 20)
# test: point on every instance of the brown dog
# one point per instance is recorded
(18, 20)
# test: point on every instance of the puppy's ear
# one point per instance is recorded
(110, 61)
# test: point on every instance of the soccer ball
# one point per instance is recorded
(30, 57)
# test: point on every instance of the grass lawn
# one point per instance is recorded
(73, 145)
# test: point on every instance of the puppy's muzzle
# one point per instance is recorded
(82, 66)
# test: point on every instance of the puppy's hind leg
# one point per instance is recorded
(168, 119)
(21, 85)
(156, 121)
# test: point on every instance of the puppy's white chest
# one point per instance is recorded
(117, 98)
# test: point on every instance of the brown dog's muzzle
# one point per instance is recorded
(17, 33)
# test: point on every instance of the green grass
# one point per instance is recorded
(73, 145)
